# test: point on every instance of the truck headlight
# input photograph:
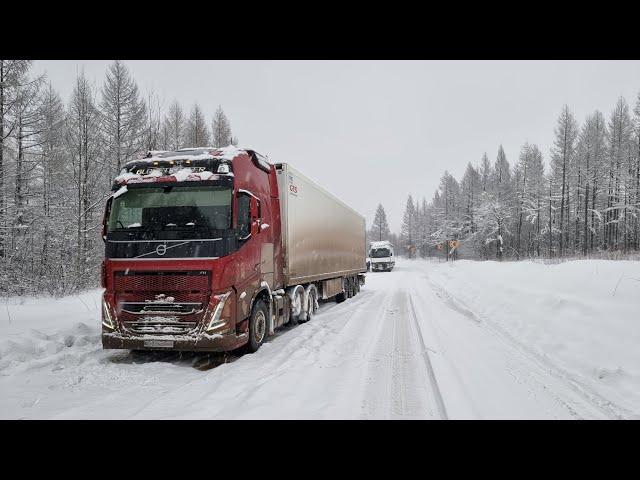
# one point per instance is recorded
(221, 312)
(107, 320)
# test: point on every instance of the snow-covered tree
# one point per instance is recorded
(562, 162)
(619, 144)
(123, 116)
(380, 227)
(152, 138)
(197, 132)
(408, 229)
(12, 78)
(175, 127)
(221, 129)
(88, 170)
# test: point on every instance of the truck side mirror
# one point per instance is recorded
(106, 218)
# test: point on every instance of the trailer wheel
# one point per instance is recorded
(257, 325)
(352, 288)
(357, 285)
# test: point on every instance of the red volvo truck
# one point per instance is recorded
(213, 249)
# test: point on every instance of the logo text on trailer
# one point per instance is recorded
(293, 189)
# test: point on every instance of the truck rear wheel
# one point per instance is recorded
(257, 326)
(311, 304)
(296, 297)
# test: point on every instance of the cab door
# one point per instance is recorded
(249, 252)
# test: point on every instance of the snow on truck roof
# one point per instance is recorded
(382, 243)
(185, 164)
(195, 153)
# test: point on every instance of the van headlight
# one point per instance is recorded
(222, 311)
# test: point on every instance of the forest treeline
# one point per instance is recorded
(58, 158)
(583, 200)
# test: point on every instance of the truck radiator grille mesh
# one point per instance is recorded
(148, 293)
(162, 282)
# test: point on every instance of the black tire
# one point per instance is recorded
(311, 305)
(357, 285)
(295, 319)
(257, 326)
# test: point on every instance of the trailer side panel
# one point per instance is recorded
(322, 237)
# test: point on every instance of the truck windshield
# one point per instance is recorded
(170, 208)
(379, 253)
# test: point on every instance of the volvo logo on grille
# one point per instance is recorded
(161, 249)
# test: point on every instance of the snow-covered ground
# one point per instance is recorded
(427, 340)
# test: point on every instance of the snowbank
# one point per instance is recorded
(580, 316)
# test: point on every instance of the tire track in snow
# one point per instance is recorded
(295, 351)
(400, 382)
(435, 389)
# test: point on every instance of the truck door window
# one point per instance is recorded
(244, 215)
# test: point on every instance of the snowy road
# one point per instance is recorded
(408, 346)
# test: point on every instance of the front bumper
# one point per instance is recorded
(191, 343)
(382, 265)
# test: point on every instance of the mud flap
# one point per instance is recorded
(270, 326)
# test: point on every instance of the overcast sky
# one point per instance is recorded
(375, 131)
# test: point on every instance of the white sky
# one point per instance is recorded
(375, 131)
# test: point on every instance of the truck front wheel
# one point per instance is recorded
(257, 326)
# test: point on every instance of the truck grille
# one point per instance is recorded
(161, 302)
(162, 282)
